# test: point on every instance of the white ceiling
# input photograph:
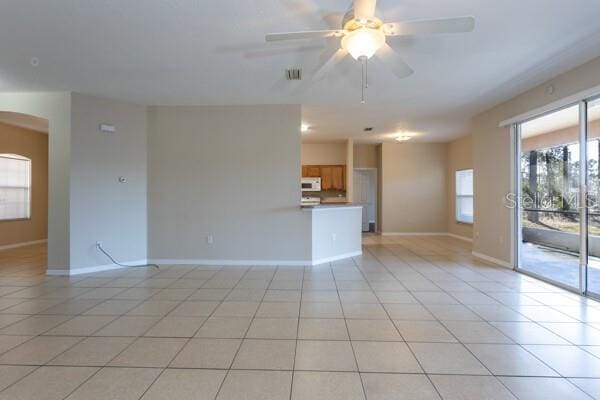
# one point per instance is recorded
(213, 52)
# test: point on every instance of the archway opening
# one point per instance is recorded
(23, 194)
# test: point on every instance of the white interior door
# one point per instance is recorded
(364, 193)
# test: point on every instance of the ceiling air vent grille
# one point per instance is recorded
(293, 74)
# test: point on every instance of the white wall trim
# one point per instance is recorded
(274, 263)
(466, 239)
(197, 261)
(336, 258)
(452, 235)
(555, 105)
(22, 244)
(89, 270)
(414, 233)
(493, 260)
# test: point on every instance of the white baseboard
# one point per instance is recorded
(493, 260)
(22, 244)
(466, 239)
(89, 270)
(237, 263)
(414, 233)
(336, 258)
(230, 263)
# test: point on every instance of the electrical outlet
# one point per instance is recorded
(98, 244)
(209, 239)
(333, 236)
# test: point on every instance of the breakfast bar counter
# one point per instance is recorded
(336, 231)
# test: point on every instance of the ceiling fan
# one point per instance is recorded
(364, 35)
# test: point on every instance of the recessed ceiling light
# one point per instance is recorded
(304, 128)
(403, 138)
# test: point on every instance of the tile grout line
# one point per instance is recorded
(245, 333)
(400, 333)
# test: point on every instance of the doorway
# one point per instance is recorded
(23, 194)
(365, 193)
(558, 187)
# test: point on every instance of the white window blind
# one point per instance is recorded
(15, 187)
(464, 196)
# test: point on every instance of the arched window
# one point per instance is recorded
(15, 187)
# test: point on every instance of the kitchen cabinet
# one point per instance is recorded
(338, 177)
(333, 177)
(311, 171)
(326, 177)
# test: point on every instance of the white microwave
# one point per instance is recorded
(311, 184)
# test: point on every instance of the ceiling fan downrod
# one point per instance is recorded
(364, 61)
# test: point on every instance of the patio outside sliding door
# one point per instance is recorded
(550, 185)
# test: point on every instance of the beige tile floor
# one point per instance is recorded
(413, 318)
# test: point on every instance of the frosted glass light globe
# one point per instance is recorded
(363, 42)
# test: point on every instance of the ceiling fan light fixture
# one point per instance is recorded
(363, 42)
(403, 138)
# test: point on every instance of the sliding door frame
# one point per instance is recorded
(516, 176)
(583, 185)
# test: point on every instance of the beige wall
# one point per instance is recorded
(460, 156)
(349, 170)
(414, 194)
(102, 209)
(207, 179)
(492, 157)
(33, 145)
(56, 108)
(365, 156)
(324, 153)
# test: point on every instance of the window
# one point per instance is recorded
(464, 196)
(15, 187)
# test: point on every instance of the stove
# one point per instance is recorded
(310, 201)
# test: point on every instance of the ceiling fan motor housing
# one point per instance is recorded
(351, 23)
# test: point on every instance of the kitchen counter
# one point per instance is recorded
(336, 231)
(331, 205)
(334, 200)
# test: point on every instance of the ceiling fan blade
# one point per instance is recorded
(394, 61)
(274, 37)
(430, 26)
(329, 65)
(364, 9)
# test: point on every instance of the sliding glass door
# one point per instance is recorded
(558, 181)
(550, 182)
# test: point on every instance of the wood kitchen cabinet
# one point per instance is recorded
(333, 177)
(338, 177)
(326, 177)
(311, 171)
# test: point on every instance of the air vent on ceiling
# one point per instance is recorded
(293, 74)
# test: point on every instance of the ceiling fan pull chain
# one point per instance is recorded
(362, 83)
(367, 73)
